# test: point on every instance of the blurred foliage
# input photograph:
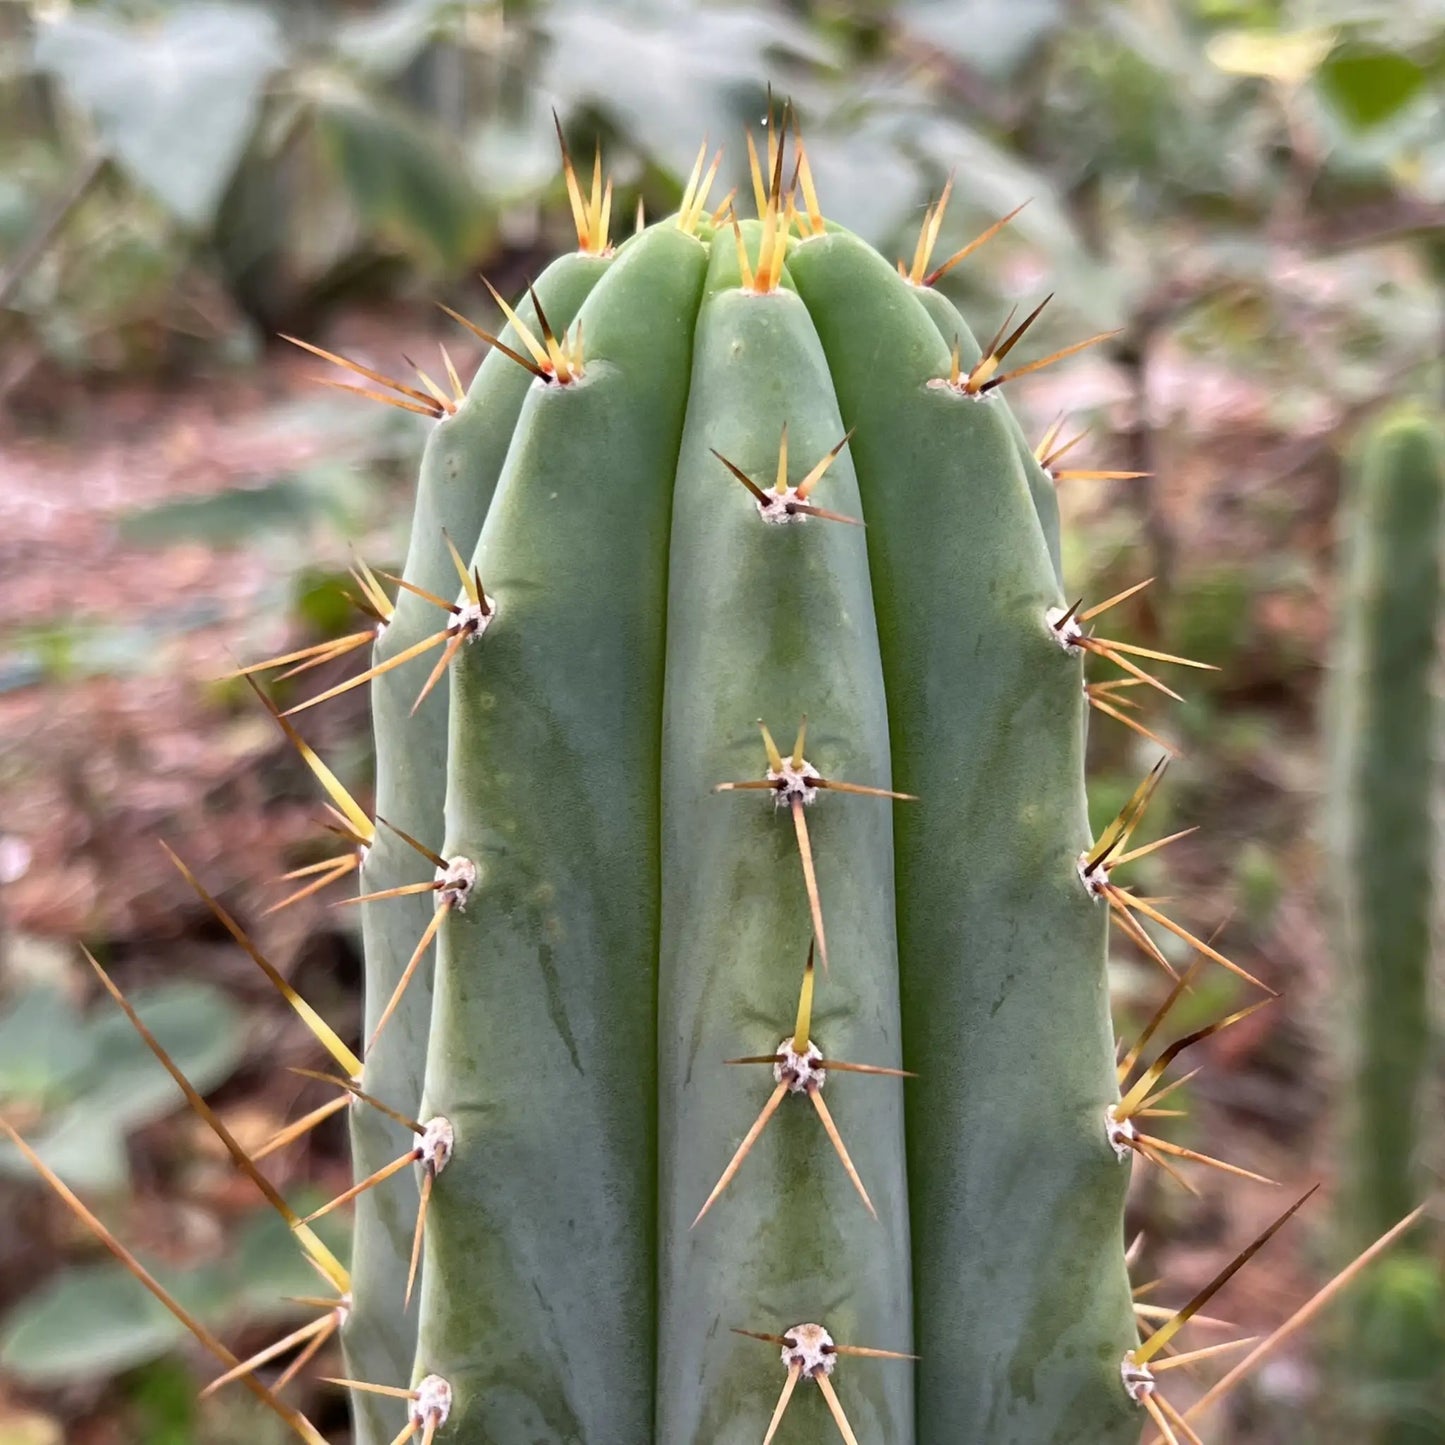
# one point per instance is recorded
(1398, 1336)
(269, 159)
(173, 102)
(302, 516)
(92, 1321)
(79, 1082)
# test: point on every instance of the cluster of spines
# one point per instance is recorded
(808, 1351)
(798, 1064)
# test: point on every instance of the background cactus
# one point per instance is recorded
(729, 471)
(1386, 805)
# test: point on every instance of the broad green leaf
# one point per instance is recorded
(389, 40)
(515, 156)
(235, 517)
(174, 102)
(38, 1054)
(118, 1082)
(93, 1321)
(96, 1320)
(407, 180)
(83, 1146)
(267, 1265)
(196, 1023)
(1369, 87)
(700, 64)
(864, 183)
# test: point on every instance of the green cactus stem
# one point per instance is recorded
(1386, 797)
(464, 457)
(995, 930)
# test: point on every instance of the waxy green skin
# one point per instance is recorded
(1386, 795)
(773, 621)
(459, 471)
(631, 929)
(953, 328)
(1022, 1309)
(538, 1300)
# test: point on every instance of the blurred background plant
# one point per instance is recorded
(1252, 190)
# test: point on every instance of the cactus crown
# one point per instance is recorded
(728, 470)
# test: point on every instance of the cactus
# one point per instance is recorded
(1385, 797)
(683, 1050)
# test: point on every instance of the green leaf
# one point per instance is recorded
(163, 1398)
(701, 65)
(515, 155)
(38, 1057)
(387, 41)
(408, 181)
(870, 187)
(267, 1265)
(118, 1082)
(1368, 87)
(196, 1023)
(97, 1320)
(174, 102)
(93, 1321)
(83, 1147)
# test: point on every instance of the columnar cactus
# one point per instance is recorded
(689, 1040)
(637, 485)
(1386, 799)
